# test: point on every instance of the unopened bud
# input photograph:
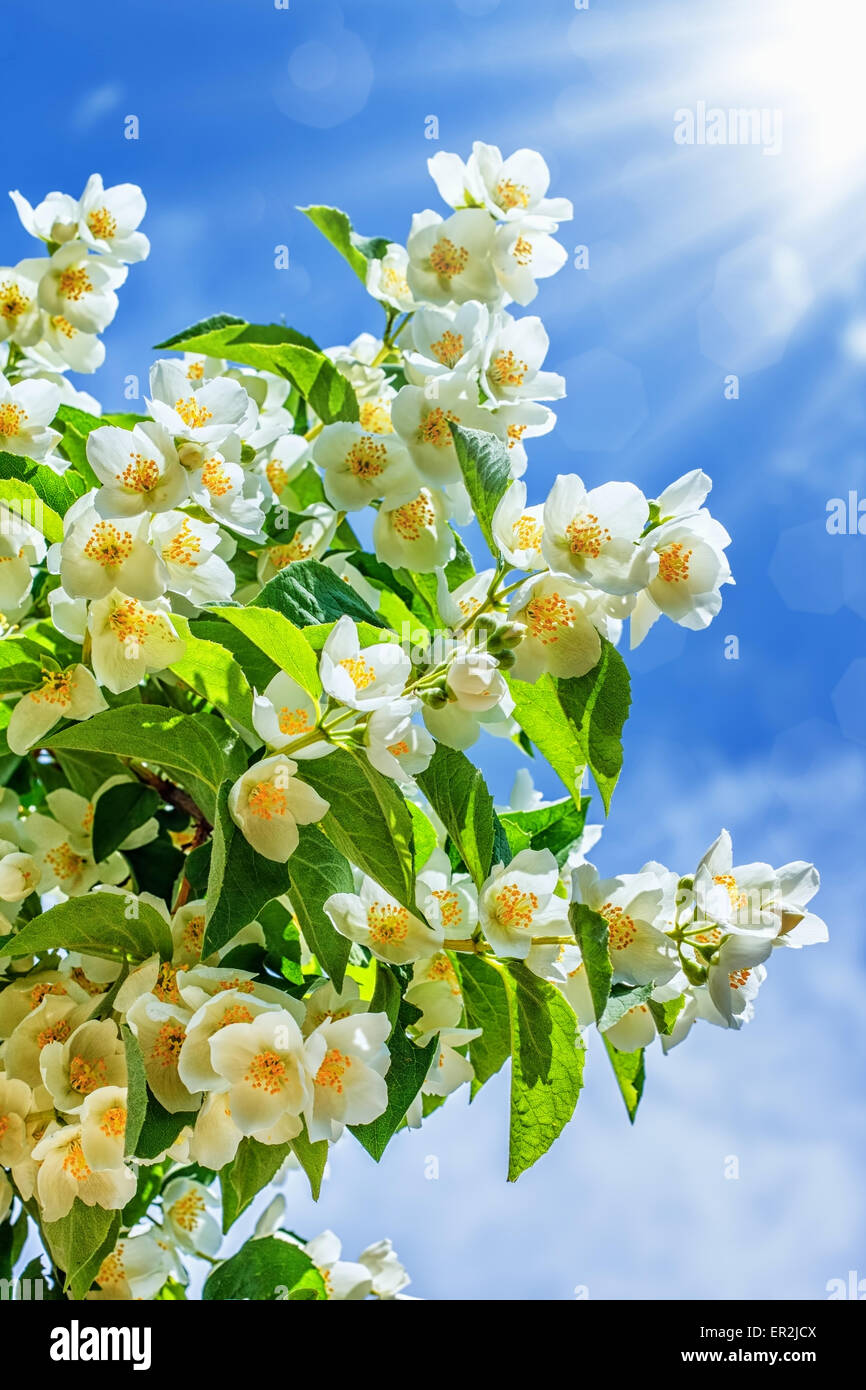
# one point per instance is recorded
(436, 698)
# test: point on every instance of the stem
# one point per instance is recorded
(175, 796)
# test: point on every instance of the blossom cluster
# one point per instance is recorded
(177, 523)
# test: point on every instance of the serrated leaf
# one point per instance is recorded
(316, 870)
(368, 820)
(253, 1167)
(592, 934)
(630, 1073)
(666, 1013)
(621, 1000)
(555, 826)
(136, 1089)
(79, 1243)
(546, 1066)
(405, 1076)
(358, 251)
(281, 641)
(486, 470)
(458, 794)
(265, 1269)
(96, 924)
(160, 1128)
(486, 1002)
(308, 593)
(212, 671)
(240, 882)
(197, 751)
(118, 811)
(312, 1158)
(274, 348)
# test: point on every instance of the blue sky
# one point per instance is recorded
(703, 261)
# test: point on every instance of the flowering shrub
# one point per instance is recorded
(255, 893)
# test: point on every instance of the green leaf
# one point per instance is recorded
(197, 751)
(546, 1068)
(213, 672)
(486, 471)
(630, 1073)
(316, 870)
(555, 827)
(258, 668)
(593, 936)
(160, 1128)
(75, 426)
(355, 249)
(265, 1269)
(240, 883)
(20, 665)
(274, 348)
(312, 1158)
(79, 1243)
(136, 1090)
(621, 1000)
(426, 837)
(97, 924)
(368, 820)
(458, 794)
(578, 723)
(308, 593)
(486, 1002)
(87, 772)
(253, 1167)
(35, 493)
(409, 1066)
(666, 1014)
(119, 811)
(280, 640)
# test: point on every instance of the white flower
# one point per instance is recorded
(64, 1174)
(268, 803)
(194, 554)
(109, 219)
(513, 355)
(518, 529)
(509, 188)
(386, 278)
(452, 259)
(137, 1268)
(65, 859)
(228, 1006)
(69, 694)
(63, 346)
(524, 252)
(376, 920)
(359, 467)
(203, 414)
(326, 1004)
(20, 318)
(185, 1206)
(348, 1087)
(80, 287)
(637, 908)
(514, 421)
(130, 639)
(449, 1069)
(19, 874)
(98, 554)
(362, 680)
(15, 1101)
(285, 713)
(635, 1029)
(689, 569)
(593, 536)
(446, 342)
(224, 489)
(267, 1070)
(447, 900)
(415, 533)
(103, 1126)
(26, 412)
(160, 1028)
(56, 218)
(476, 682)
(389, 1276)
(435, 990)
(69, 615)
(92, 1057)
(396, 746)
(422, 416)
(735, 978)
(283, 461)
(138, 468)
(343, 1280)
(559, 636)
(518, 902)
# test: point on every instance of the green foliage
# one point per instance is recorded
(79, 1243)
(458, 794)
(118, 812)
(252, 1168)
(593, 936)
(630, 1073)
(240, 882)
(358, 251)
(316, 870)
(100, 924)
(485, 998)
(486, 470)
(265, 1269)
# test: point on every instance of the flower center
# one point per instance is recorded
(56, 688)
(75, 282)
(64, 861)
(55, 1032)
(129, 622)
(12, 417)
(674, 563)
(142, 475)
(621, 928)
(367, 459)
(512, 195)
(192, 413)
(215, 477)
(267, 801)
(449, 910)
(515, 906)
(434, 428)
(508, 370)
(63, 326)
(167, 1044)
(387, 923)
(332, 1070)
(738, 978)
(102, 224)
(546, 616)
(113, 1122)
(294, 721)
(412, 519)
(183, 548)
(375, 417)
(108, 546)
(586, 535)
(187, 1211)
(528, 532)
(360, 673)
(448, 260)
(74, 1162)
(267, 1073)
(12, 302)
(85, 1076)
(449, 348)
(522, 251)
